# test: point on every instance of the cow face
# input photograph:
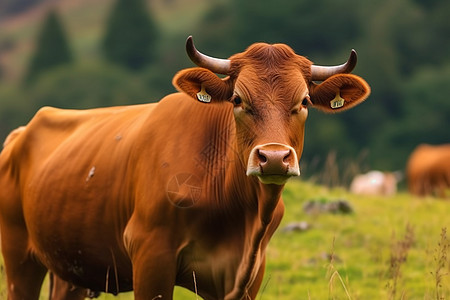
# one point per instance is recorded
(270, 88)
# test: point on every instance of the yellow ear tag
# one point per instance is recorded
(203, 96)
(337, 101)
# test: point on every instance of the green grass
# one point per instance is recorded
(362, 245)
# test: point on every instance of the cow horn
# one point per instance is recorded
(216, 65)
(320, 73)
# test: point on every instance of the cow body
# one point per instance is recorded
(150, 196)
(375, 183)
(428, 170)
(83, 240)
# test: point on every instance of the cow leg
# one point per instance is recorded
(154, 271)
(24, 272)
(153, 259)
(62, 290)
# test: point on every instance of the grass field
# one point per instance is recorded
(388, 248)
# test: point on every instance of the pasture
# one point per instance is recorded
(388, 248)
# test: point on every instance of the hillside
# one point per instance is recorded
(84, 23)
(397, 55)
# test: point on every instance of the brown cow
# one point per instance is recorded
(428, 170)
(151, 196)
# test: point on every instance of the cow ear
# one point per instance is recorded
(203, 85)
(339, 92)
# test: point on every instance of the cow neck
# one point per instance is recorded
(226, 182)
(269, 196)
(259, 227)
(226, 171)
(234, 199)
(254, 204)
(255, 201)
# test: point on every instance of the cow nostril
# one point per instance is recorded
(287, 157)
(262, 157)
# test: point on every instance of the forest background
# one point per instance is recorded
(84, 54)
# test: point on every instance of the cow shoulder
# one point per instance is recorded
(13, 135)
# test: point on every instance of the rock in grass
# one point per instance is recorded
(317, 206)
(296, 226)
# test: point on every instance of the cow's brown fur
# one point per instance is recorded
(428, 170)
(145, 197)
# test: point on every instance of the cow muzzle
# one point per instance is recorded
(273, 163)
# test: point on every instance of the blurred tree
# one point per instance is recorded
(52, 48)
(74, 86)
(13, 110)
(378, 63)
(131, 35)
(89, 86)
(424, 118)
(416, 31)
(436, 49)
(309, 27)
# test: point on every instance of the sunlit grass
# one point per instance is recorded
(298, 262)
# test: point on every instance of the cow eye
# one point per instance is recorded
(236, 100)
(306, 101)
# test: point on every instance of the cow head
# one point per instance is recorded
(271, 89)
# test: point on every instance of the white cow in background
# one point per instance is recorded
(376, 183)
